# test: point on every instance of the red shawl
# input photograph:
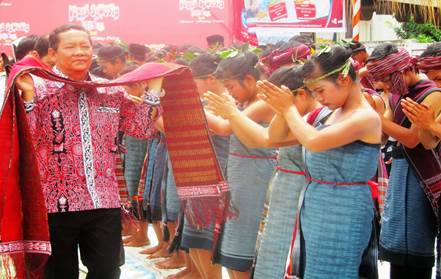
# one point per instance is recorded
(24, 245)
(203, 192)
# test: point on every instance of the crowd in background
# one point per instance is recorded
(321, 146)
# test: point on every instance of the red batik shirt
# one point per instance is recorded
(75, 138)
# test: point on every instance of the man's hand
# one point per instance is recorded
(135, 89)
(26, 84)
(419, 114)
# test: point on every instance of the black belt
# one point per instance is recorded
(398, 152)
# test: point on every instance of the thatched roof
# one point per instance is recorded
(421, 10)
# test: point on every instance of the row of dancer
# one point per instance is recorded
(341, 143)
(321, 201)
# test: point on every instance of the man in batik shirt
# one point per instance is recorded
(74, 133)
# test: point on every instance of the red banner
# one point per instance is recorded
(175, 22)
(258, 21)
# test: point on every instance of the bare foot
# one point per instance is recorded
(180, 274)
(172, 263)
(128, 239)
(138, 239)
(151, 250)
(162, 253)
(128, 228)
(137, 242)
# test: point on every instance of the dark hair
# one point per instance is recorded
(54, 39)
(356, 47)
(191, 48)
(128, 69)
(138, 51)
(157, 55)
(205, 64)
(42, 46)
(111, 53)
(280, 44)
(181, 61)
(213, 39)
(382, 50)
(286, 45)
(98, 71)
(24, 46)
(432, 50)
(328, 61)
(238, 67)
(302, 39)
(266, 51)
(290, 76)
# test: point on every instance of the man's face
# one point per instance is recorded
(74, 52)
(435, 75)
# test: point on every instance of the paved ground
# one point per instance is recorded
(137, 266)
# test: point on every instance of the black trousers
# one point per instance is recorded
(408, 272)
(97, 233)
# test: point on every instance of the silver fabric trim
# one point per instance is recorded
(86, 141)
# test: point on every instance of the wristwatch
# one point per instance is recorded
(152, 98)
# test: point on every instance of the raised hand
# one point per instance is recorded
(135, 89)
(279, 99)
(26, 84)
(419, 114)
(222, 105)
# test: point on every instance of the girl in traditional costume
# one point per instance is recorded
(287, 182)
(341, 156)
(249, 169)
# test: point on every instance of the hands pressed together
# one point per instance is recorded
(278, 98)
(419, 114)
(222, 105)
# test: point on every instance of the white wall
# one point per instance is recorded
(379, 28)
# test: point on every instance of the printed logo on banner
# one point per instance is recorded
(10, 31)
(201, 10)
(5, 4)
(92, 16)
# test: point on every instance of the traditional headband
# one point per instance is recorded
(344, 69)
(392, 66)
(429, 63)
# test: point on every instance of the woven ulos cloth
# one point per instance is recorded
(202, 189)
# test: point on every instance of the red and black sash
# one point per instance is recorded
(202, 189)
(24, 232)
(425, 163)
